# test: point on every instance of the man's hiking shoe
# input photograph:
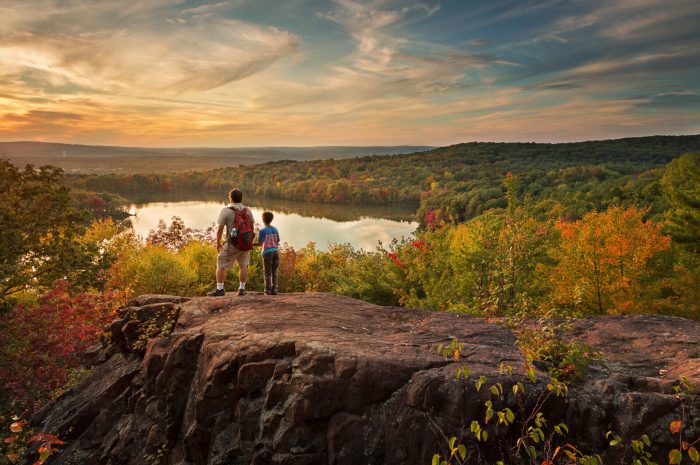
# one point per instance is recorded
(273, 292)
(216, 293)
(241, 291)
(267, 292)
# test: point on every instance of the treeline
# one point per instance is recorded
(100, 204)
(456, 183)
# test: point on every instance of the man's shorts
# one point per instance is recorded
(229, 254)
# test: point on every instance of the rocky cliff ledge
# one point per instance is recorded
(323, 379)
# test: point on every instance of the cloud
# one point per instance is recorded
(671, 100)
(597, 47)
(202, 10)
(388, 61)
(382, 47)
(176, 72)
(479, 42)
(560, 86)
(127, 48)
(36, 123)
(42, 115)
(367, 25)
(52, 115)
(211, 65)
(650, 24)
(642, 64)
(578, 119)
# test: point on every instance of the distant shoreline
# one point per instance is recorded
(85, 159)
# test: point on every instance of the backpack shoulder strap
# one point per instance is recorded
(236, 210)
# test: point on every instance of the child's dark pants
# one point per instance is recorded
(271, 261)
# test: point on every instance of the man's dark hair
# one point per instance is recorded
(235, 195)
(267, 217)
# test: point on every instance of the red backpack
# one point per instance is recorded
(242, 235)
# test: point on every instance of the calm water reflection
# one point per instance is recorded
(299, 223)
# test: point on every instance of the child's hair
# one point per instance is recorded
(267, 217)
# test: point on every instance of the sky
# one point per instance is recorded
(171, 73)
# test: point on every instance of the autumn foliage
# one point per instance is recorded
(509, 262)
(500, 250)
(603, 260)
(40, 344)
(22, 443)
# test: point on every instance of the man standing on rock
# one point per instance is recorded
(239, 222)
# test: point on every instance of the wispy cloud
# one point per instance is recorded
(370, 25)
(140, 51)
(388, 62)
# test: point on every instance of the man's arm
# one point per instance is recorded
(219, 233)
(252, 218)
(260, 238)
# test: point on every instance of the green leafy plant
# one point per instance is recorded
(160, 323)
(542, 341)
(158, 456)
(534, 439)
(684, 391)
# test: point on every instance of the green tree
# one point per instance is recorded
(422, 267)
(40, 233)
(681, 184)
(486, 266)
(369, 279)
(152, 269)
(495, 257)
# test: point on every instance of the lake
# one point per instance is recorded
(298, 222)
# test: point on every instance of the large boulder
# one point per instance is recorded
(323, 379)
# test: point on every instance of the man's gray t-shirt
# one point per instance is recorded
(228, 216)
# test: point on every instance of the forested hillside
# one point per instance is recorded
(456, 183)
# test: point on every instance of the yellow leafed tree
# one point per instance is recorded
(603, 260)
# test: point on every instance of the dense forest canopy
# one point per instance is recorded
(456, 183)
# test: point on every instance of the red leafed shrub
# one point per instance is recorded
(395, 259)
(419, 244)
(430, 218)
(40, 344)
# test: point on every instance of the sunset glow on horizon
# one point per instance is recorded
(304, 72)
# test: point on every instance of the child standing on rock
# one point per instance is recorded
(269, 239)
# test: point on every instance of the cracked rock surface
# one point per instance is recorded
(324, 379)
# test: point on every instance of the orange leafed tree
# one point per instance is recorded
(603, 260)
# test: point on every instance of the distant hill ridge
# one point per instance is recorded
(29, 149)
(95, 159)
